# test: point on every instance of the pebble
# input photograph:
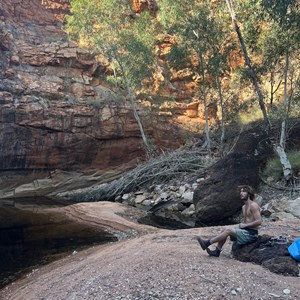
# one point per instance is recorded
(286, 291)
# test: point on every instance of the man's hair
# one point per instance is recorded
(249, 190)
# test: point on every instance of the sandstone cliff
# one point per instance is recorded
(45, 119)
(56, 112)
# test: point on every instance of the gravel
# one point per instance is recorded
(161, 265)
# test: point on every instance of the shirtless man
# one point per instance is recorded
(245, 233)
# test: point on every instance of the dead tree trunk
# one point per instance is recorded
(280, 148)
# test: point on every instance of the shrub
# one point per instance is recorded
(274, 168)
(294, 158)
(99, 102)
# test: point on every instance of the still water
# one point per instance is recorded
(30, 236)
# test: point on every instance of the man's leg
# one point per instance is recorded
(220, 239)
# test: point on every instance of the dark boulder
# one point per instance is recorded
(217, 197)
(270, 253)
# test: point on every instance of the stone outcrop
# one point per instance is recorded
(59, 8)
(141, 5)
(282, 209)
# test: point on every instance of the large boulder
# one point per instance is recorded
(217, 198)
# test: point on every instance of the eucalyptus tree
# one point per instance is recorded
(199, 34)
(113, 29)
(284, 18)
(219, 39)
(272, 31)
(248, 63)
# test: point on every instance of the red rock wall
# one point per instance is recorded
(52, 100)
(59, 8)
(45, 121)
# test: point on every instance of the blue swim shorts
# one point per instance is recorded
(246, 235)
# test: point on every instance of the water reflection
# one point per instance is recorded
(30, 236)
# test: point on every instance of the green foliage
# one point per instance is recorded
(273, 168)
(295, 106)
(271, 31)
(252, 115)
(200, 29)
(185, 19)
(283, 11)
(173, 14)
(179, 57)
(114, 81)
(294, 158)
(106, 27)
(101, 102)
(243, 75)
(279, 31)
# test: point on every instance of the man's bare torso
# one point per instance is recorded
(250, 211)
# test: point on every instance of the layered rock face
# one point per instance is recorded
(52, 102)
(55, 111)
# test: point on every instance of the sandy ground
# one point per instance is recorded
(154, 264)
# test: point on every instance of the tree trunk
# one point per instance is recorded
(205, 105)
(133, 104)
(285, 103)
(248, 64)
(273, 90)
(207, 138)
(286, 165)
(222, 112)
